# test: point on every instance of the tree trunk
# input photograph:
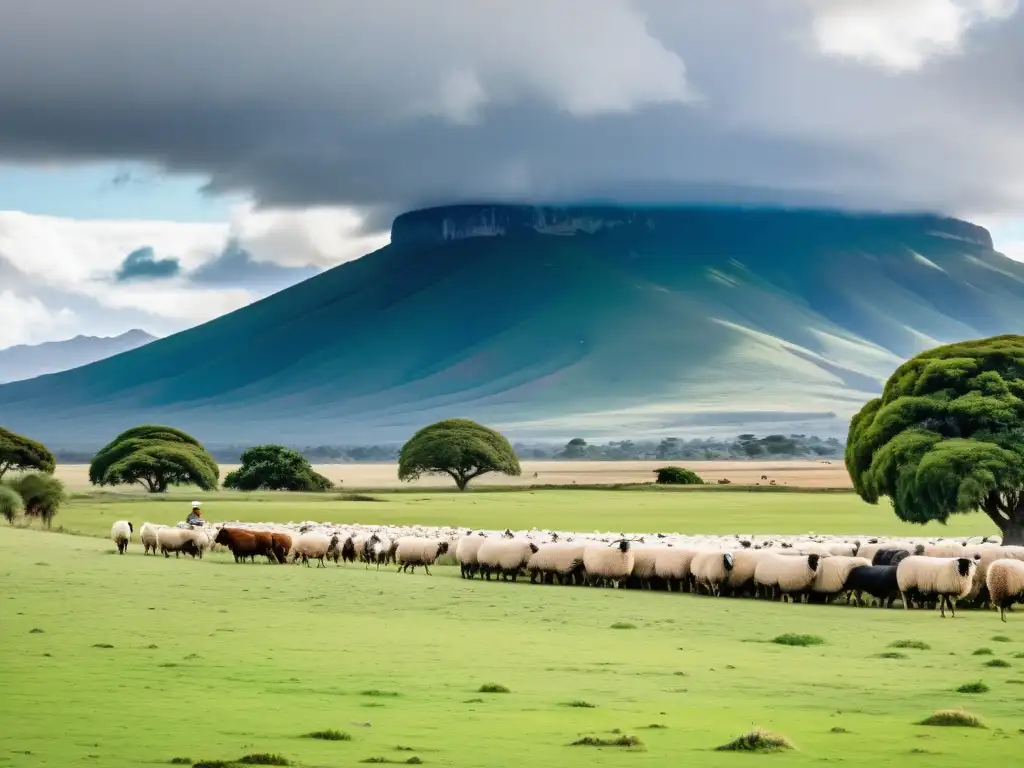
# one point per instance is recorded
(461, 481)
(1013, 529)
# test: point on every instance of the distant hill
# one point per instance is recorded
(552, 323)
(26, 361)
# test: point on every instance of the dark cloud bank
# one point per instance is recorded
(400, 103)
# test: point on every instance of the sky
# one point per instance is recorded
(163, 163)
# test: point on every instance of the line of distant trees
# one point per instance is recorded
(742, 447)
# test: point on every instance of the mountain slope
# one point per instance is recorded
(26, 361)
(560, 322)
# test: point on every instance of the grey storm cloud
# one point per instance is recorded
(395, 103)
(235, 266)
(142, 264)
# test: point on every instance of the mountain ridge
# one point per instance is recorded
(26, 361)
(605, 321)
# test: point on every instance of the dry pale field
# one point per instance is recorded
(809, 474)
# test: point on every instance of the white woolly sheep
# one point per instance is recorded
(411, 551)
(948, 578)
(786, 575)
(557, 561)
(313, 545)
(830, 578)
(147, 535)
(645, 559)
(1005, 582)
(673, 565)
(608, 562)
(711, 569)
(741, 578)
(504, 556)
(178, 540)
(121, 533)
(466, 554)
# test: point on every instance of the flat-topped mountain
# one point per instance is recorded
(554, 322)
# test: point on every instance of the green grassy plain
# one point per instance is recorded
(212, 661)
(638, 510)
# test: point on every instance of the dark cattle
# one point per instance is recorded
(879, 581)
(245, 544)
(889, 556)
(282, 543)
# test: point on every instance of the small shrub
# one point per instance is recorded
(757, 741)
(180, 761)
(997, 663)
(917, 645)
(1019, 655)
(329, 735)
(357, 497)
(1002, 639)
(618, 741)
(264, 758)
(473, 701)
(976, 687)
(102, 645)
(493, 688)
(1014, 681)
(982, 652)
(213, 764)
(623, 625)
(389, 694)
(677, 476)
(400, 748)
(891, 655)
(414, 761)
(579, 704)
(35, 631)
(793, 639)
(955, 718)
(656, 727)
(839, 729)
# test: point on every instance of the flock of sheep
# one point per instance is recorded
(816, 569)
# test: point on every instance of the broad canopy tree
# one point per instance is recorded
(275, 468)
(460, 448)
(20, 453)
(155, 457)
(947, 436)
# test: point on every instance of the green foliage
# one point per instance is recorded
(155, 457)
(947, 436)
(791, 638)
(275, 468)
(41, 494)
(18, 452)
(11, 505)
(460, 448)
(677, 476)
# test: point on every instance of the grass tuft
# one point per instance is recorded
(213, 764)
(329, 735)
(387, 694)
(102, 645)
(982, 652)
(977, 686)
(619, 741)
(623, 625)
(955, 718)
(997, 663)
(1002, 639)
(791, 638)
(839, 729)
(891, 655)
(264, 758)
(580, 704)
(757, 741)
(357, 497)
(180, 761)
(656, 727)
(493, 688)
(917, 645)
(35, 631)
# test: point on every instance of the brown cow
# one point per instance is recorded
(245, 544)
(281, 546)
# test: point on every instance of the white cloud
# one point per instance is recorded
(53, 259)
(29, 321)
(902, 35)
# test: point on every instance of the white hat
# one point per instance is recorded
(195, 504)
